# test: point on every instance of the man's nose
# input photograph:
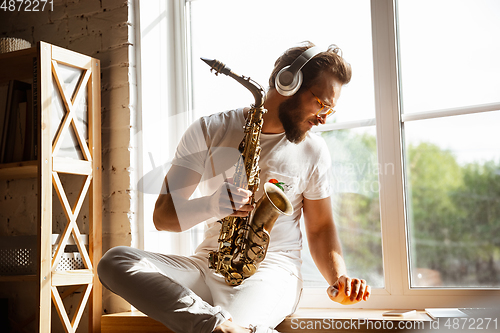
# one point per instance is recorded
(321, 119)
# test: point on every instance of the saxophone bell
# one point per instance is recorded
(271, 205)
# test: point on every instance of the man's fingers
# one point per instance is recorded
(230, 197)
(361, 291)
(347, 286)
(356, 286)
(233, 198)
(349, 291)
(243, 211)
(228, 207)
(332, 291)
(237, 194)
(367, 294)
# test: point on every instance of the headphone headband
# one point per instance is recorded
(304, 58)
(289, 78)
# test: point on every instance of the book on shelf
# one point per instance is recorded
(29, 145)
(18, 128)
(19, 132)
(34, 109)
(3, 107)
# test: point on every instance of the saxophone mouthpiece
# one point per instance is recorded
(218, 66)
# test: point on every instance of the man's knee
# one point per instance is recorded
(110, 261)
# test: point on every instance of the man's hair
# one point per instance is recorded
(328, 61)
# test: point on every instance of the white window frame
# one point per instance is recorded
(397, 292)
(165, 101)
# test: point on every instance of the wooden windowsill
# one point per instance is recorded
(304, 320)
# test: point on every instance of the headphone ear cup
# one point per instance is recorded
(287, 83)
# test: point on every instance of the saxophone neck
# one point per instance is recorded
(255, 88)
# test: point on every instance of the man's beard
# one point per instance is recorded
(290, 115)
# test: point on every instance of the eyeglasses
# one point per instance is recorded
(325, 110)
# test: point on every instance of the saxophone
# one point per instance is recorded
(243, 241)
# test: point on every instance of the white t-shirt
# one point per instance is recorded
(303, 168)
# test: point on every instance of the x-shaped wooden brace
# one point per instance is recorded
(75, 167)
(70, 117)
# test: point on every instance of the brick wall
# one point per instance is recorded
(102, 29)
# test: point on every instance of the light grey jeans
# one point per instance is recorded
(186, 296)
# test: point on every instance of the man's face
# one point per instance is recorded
(298, 113)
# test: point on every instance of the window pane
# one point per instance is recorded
(249, 39)
(449, 53)
(453, 179)
(356, 206)
(249, 36)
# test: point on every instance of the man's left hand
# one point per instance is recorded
(349, 291)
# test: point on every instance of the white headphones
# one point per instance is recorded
(289, 79)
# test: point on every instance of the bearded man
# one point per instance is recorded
(182, 292)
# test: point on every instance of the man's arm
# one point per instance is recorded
(174, 211)
(183, 182)
(326, 251)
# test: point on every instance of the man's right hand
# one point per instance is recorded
(175, 211)
(230, 200)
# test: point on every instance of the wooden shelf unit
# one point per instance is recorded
(47, 62)
(17, 278)
(17, 170)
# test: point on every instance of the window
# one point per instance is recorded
(251, 49)
(449, 71)
(415, 150)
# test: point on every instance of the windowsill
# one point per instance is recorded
(304, 320)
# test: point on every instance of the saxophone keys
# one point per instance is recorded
(226, 260)
(255, 252)
(259, 237)
(212, 260)
(249, 269)
(234, 279)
